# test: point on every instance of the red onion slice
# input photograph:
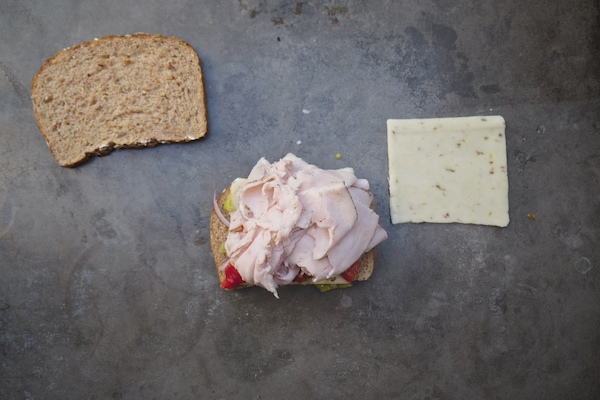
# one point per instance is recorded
(218, 211)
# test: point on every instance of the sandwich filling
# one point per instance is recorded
(294, 219)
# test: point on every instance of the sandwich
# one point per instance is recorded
(290, 222)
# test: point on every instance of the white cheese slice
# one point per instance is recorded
(448, 170)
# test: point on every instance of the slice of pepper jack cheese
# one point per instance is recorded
(444, 170)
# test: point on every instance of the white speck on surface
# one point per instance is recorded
(305, 111)
(346, 301)
(299, 142)
(583, 265)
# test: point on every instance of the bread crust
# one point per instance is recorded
(109, 146)
(219, 232)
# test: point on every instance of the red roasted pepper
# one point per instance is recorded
(232, 278)
(301, 277)
(350, 274)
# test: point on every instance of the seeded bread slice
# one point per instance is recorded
(219, 232)
(119, 92)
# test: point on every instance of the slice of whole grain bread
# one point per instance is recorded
(219, 232)
(119, 92)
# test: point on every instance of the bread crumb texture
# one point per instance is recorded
(118, 92)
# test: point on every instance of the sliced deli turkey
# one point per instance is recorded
(292, 222)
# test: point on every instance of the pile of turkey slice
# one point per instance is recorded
(291, 216)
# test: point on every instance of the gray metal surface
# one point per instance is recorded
(107, 284)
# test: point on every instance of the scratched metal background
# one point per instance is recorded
(107, 287)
